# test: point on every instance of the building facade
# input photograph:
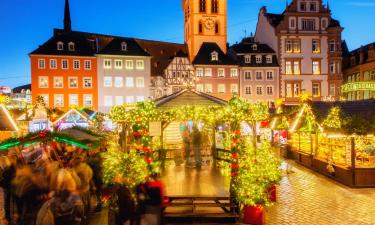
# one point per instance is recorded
(359, 74)
(124, 74)
(259, 71)
(307, 41)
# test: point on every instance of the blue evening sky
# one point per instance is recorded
(24, 24)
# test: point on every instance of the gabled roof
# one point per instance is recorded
(82, 114)
(115, 48)
(6, 121)
(20, 88)
(274, 19)
(188, 97)
(204, 55)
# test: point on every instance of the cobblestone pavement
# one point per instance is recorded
(306, 198)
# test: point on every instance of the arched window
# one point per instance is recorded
(202, 6)
(215, 6)
(200, 27)
(71, 46)
(60, 46)
(217, 30)
(124, 46)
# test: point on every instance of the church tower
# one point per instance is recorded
(205, 21)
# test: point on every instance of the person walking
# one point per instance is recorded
(197, 145)
(186, 139)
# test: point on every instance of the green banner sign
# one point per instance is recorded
(358, 86)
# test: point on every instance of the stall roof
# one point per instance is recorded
(6, 121)
(83, 114)
(188, 97)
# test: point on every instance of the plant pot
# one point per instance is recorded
(254, 215)
(272, 193)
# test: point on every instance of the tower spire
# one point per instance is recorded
(67, 20)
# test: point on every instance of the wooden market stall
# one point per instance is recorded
(73, 118)
(8, 127)
(336, 139)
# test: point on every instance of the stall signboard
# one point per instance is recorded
(358, 86)
(155, 129)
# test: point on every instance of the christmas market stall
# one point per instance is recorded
(75, 117)
(8, 127)
(336, 139)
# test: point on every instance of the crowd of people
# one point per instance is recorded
(192, 139)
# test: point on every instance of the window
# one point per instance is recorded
(258, 75)
(312, 7)
(200, 27)
(288, 68)
(316, 67)
(64, 64)
(258, 59)
(269, 75)
(41, 63)
(269, 59)
(214, 6)
(119, 100)
(58, 82)
(332, 67)
(248, 90)
(296, 90)
(202, 6)
(292, 90)
(269, 90)
(217, 27)
(208, 72)
(200, 88)
(221, 72)
(76, 64)
(129, 64)
(288, 46)
(107, 64)
(332, 90)
(60, 46)
(87, 64)
(316, 89)
(255, 47)
(292, 23)
(308, 25)
(296, 68)
(43, 82)
(58, 100)
(247, 75)
(140, 82)
(302, 6)
(316, 46)
(289, 90)
(324, 23)
(259, 90)
(296, 46)
(233, 72)
(129, 82)
(221, 88)
(73, 100)
(71, 47)
(200, 72)
(140, 98)
(124, 46)
(45, 99)
(129, 99)
(108, 101)
(208, 88)
(119, 82)
(52, 64)
(107, 81)
(87, 100)
(332, 45)
(214, 56)
(72, 82)
(247, 59)
(234, 88)
(87, 82)
(140, 65)
(118, 64)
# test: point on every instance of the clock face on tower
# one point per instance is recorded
(209, 23)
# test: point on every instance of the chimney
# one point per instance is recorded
(67, 19)
(371, 52)
(361, 55)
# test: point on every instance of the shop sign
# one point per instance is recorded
(358, 86)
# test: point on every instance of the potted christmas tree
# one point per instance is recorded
(258, 172)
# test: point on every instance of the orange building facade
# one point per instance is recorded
(65, 81)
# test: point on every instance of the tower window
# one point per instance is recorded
(71, 46)
(215, 6)
(60, 46)
(202, 6)
(124, 46)
(200, 26)
(216, 27)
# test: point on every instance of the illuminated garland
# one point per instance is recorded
(333, 120)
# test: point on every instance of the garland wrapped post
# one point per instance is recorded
(142, 142)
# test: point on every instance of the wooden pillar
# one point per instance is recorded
(353, 160)
(213, 147)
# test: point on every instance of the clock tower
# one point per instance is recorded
(205, 21)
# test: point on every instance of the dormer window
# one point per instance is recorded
(255, 47)
(269, 59)
(247, 59)
(124, 46)
(71, 46)
(60, 46)
(214, 56)
(258, 59)
(302, 6)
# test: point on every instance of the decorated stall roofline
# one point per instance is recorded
(9, 117)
